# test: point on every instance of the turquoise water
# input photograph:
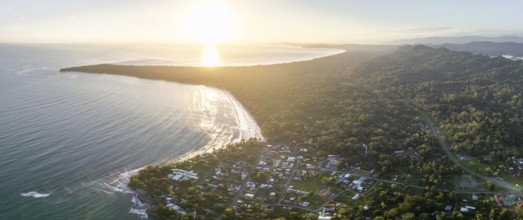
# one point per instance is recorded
(70, 141)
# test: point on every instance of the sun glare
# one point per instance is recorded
(210, 56)
(209, 23)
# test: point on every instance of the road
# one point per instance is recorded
(416, 186)
(446, 148)
(286, 185)
(244, 183)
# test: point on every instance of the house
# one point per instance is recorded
(175, 177)
(285, 149)
(399, 152)
(357, 183)
(249, 195)
(322, 216)
(179, 174)
(356, 197)
(305, 204)
(235, 188)
(448, 208)
(265, 186)
(470, 207)
(498, 200)
(218, 172)
(329, 208)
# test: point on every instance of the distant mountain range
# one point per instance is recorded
(487, 48)
(460, 40)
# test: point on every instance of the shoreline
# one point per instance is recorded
(241, 113)
(236, 83)
(327, 100)
(244, 119)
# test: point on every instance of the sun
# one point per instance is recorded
(209, 23)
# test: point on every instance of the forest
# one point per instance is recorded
(367, 103)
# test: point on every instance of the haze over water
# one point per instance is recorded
(70, 141)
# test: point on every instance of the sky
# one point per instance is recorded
(253, 21)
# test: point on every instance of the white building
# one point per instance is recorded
(179, 174)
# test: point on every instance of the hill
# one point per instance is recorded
(461, 40)
(476, 99)
(488, 48)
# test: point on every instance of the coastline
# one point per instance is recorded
(247, 128)
(234, 81)
(245, 123)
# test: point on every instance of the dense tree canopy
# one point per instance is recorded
(366, 105)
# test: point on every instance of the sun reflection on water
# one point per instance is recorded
(210, 57)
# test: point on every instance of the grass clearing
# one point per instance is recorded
(477, 166)
(346, 197)
(311, 184)
(467, 183)
(316, 201)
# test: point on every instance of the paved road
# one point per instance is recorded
(244, 183)
(286, 185)
(416, 186)
(446, 148)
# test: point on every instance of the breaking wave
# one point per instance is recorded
(35, 194)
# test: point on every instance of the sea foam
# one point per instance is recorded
(35, 194)
(119, 183)
(140, 212)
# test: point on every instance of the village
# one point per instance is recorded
(286, 178)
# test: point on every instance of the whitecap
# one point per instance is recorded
(35, 194)
(140, 212)
(120, 181)
(137, 202)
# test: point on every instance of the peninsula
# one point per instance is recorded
(408, 132)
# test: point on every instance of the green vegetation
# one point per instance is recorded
(484, 168)
(475, 99)
(367, 106)
(206, 199)
(310, 184)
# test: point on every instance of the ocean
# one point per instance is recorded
(69, 142)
